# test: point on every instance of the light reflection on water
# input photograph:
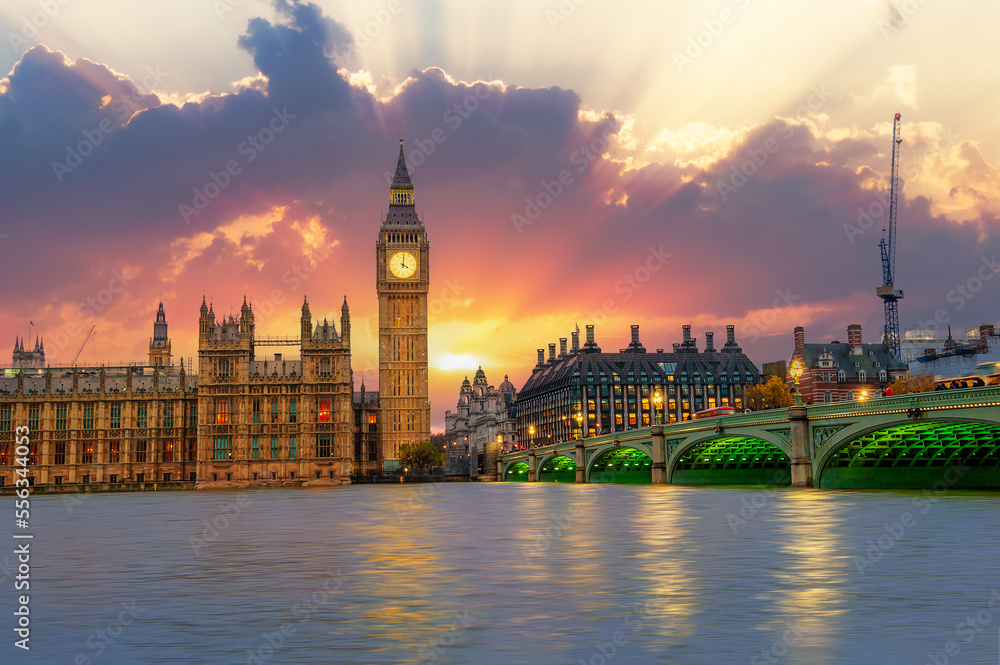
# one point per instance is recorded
(511, 573)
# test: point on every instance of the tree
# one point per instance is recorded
(421, 457)
(771, 395)
(922, 382)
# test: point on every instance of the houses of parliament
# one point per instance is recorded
(238, 420)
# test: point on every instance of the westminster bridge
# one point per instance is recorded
(937, 439)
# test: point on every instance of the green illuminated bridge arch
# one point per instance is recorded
(930, 440)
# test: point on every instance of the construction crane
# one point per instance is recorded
(82, 344)
(887, 292)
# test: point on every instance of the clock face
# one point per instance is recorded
(402, 264)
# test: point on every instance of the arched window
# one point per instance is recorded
(324, 367)
(841, 376)
(862, 376)
(882, 376)
(224, 369)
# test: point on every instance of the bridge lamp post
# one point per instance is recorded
(657, 401)
(531, 434)
(796, 372)
(579, 422)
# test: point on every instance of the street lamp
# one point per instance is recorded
(796, 372)
(579, 422)
(531, 433)
(864, 395)
(657, 401)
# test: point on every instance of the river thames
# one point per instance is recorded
(513, 573)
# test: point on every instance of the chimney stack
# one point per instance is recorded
(635, 334)
(552, 352)
(854, 338)
(709, 341)
(562, 347)
(576, 341)
(800, 337)
(590, 333)
(687, 334)
(541, 357)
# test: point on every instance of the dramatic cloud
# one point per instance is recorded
(541, 211)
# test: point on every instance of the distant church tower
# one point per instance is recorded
(159, 344)
(402, 280)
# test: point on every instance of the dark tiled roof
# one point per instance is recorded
(845, 361)
(686, 367)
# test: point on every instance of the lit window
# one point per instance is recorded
(324, 411)
(222, 412)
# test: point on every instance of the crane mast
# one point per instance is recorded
(887, 246)
(82, 344)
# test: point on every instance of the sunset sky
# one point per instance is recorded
(575, 162)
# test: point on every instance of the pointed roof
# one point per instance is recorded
(401, 177)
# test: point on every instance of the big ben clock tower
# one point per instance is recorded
(402, 279)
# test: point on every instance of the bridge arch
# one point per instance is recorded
(557, 468)
(744, 459)
(621, 464)
(936, 453)
(516, 472)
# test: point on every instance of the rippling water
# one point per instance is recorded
(513, 573)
